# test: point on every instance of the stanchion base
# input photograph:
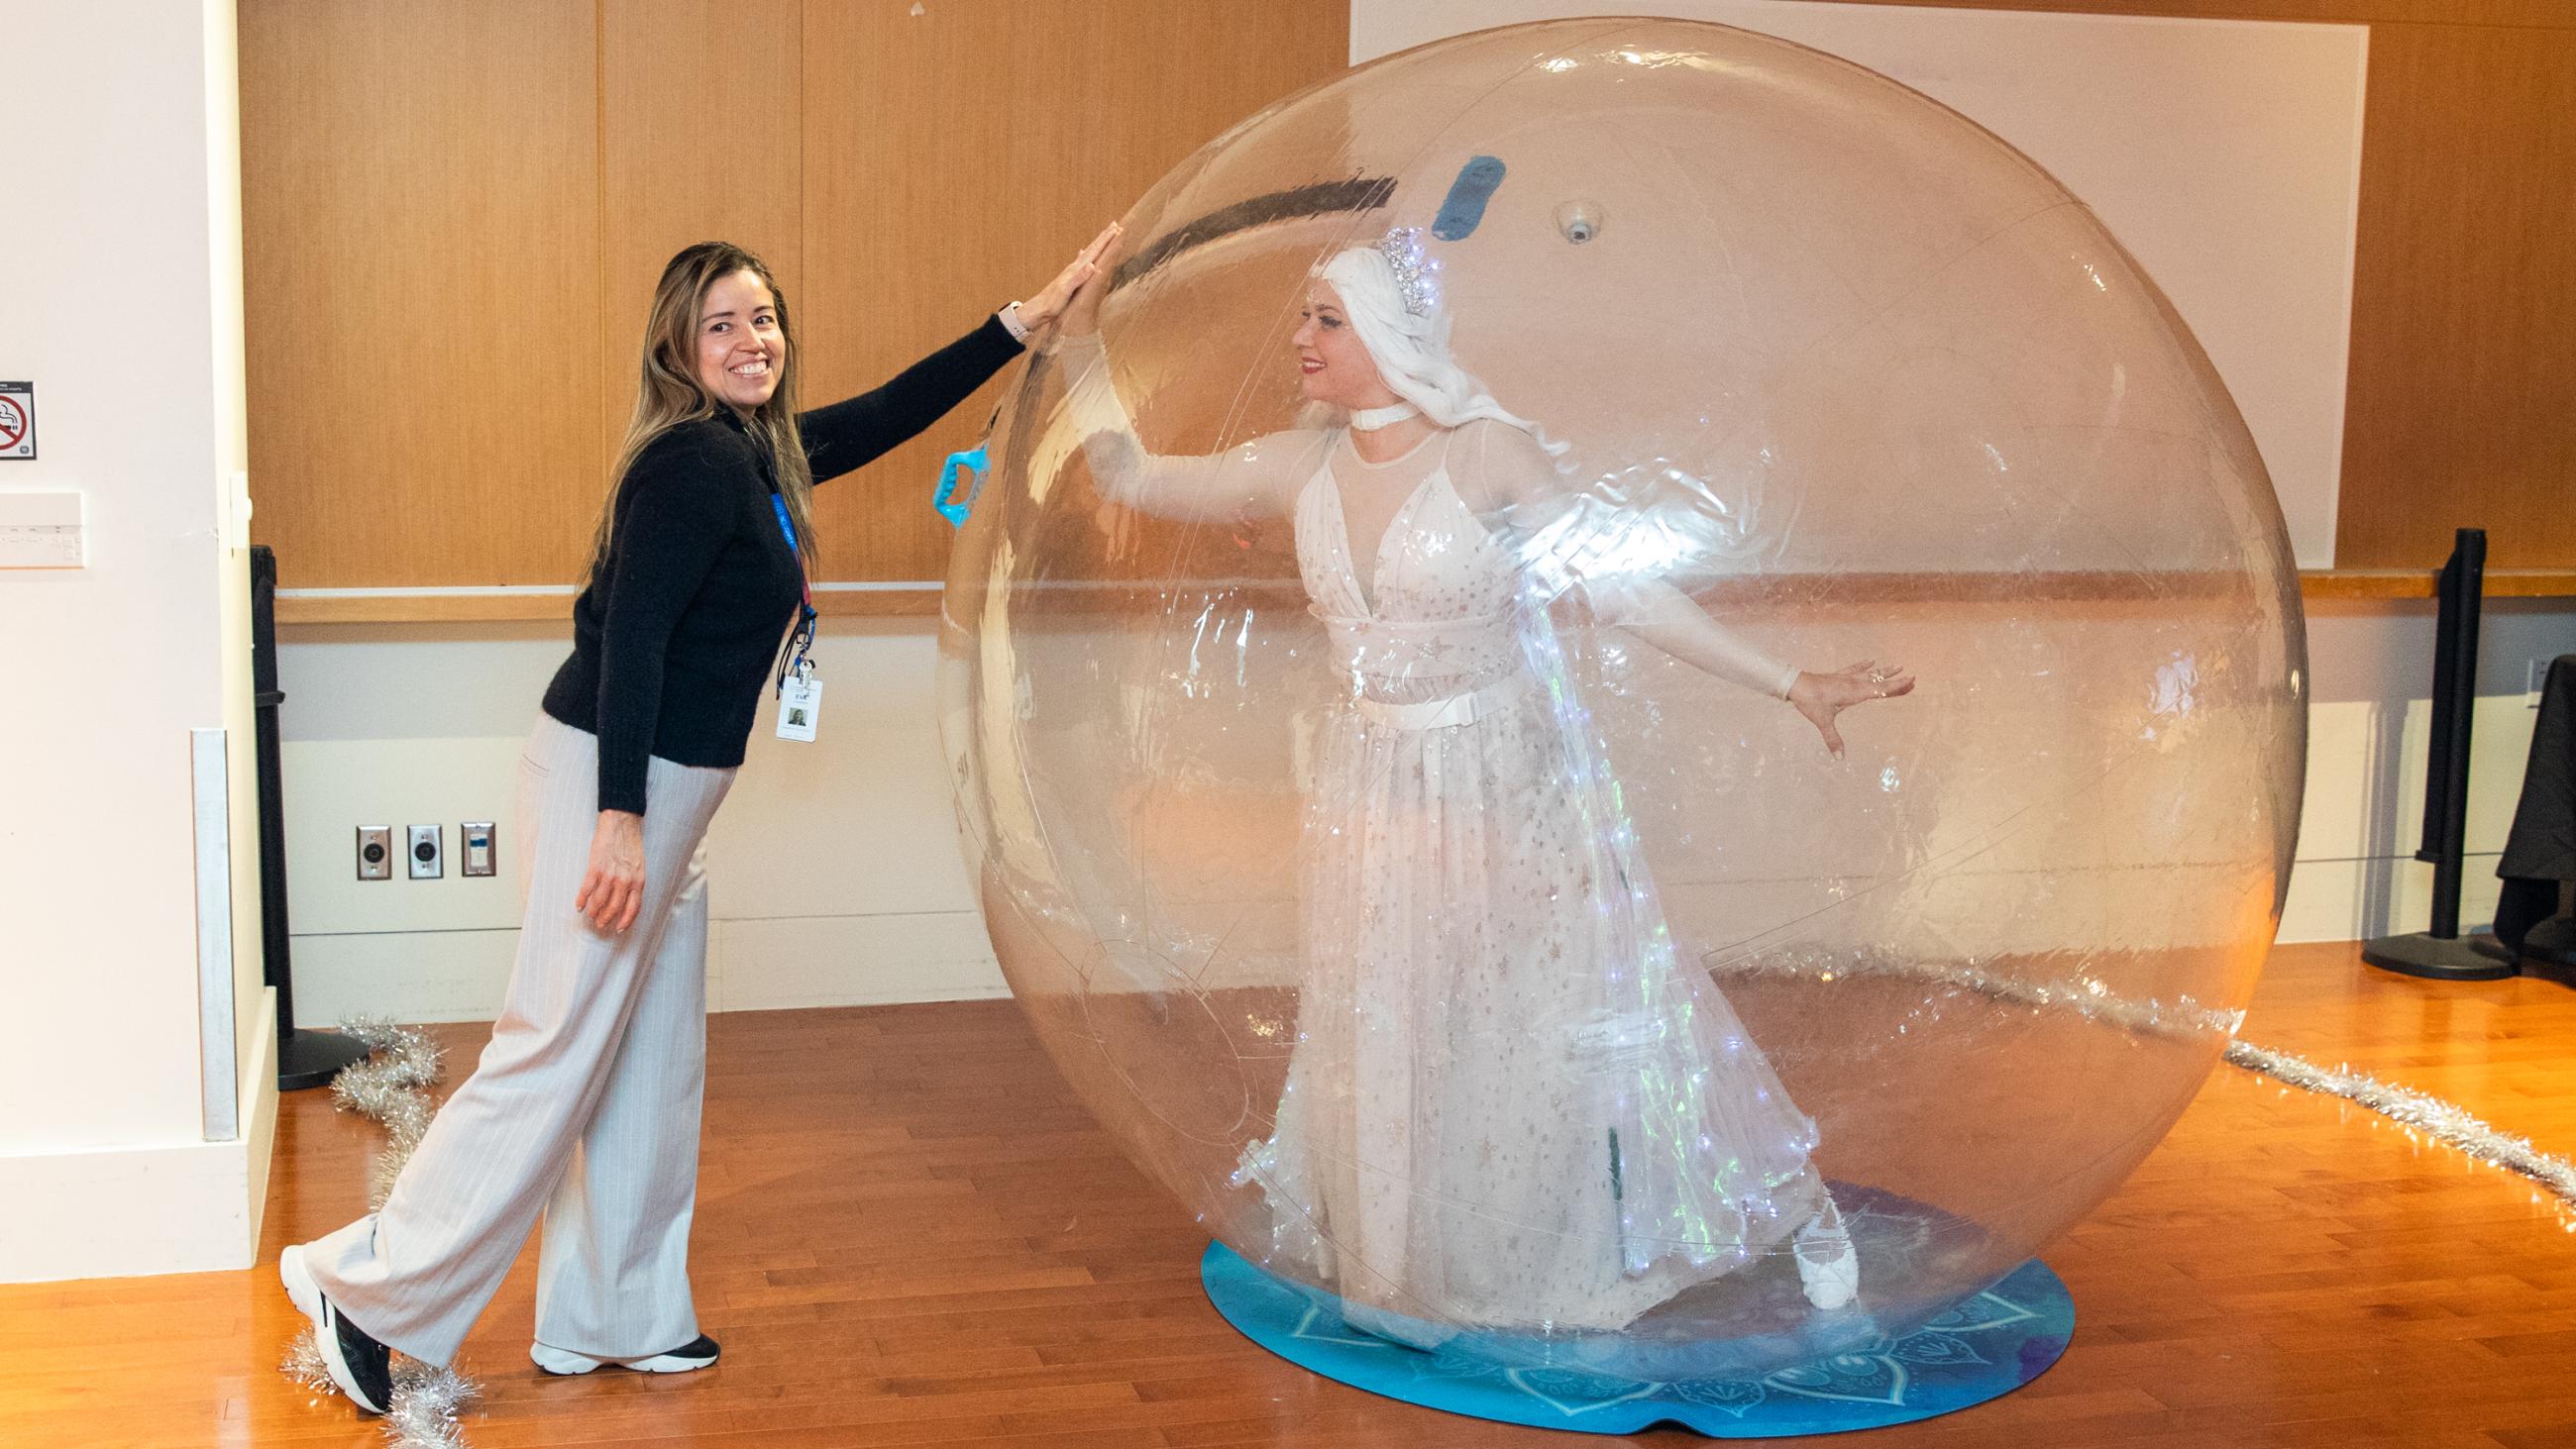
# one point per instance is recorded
(2439, 958)
(313, 1058)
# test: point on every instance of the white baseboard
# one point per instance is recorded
(259, 1122)
(128, 1211)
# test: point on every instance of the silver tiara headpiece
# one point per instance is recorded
(1417, 272)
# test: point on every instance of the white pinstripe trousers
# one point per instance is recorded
(584, 1106)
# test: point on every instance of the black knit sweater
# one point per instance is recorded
(674, 637)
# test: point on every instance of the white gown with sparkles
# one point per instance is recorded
(1510, 1104)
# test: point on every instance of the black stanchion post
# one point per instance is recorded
(2440, 953)
(304, 1058)
(2460, 611)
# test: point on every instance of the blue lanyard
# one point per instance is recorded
(791, 659)
(778, 505)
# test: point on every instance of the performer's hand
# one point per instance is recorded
(1049, 303)
(613, 889)
(1082, 311)
(1822, 696)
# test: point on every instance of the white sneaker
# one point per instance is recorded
(697, 1353)
(1828, 1268)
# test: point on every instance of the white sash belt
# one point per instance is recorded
(1456, 710)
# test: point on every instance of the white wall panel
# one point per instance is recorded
(2226, 155)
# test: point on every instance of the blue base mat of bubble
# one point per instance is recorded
(1983, 1349)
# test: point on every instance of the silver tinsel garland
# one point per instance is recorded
(391, 1086)
(429, 1403)
(2445, 1122)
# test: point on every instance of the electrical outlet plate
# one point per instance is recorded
(427, 851)
(474, 837)
(375, 852)
(2534, 683)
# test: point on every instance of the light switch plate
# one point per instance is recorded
(474, 837)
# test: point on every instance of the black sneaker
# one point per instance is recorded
(362, 1367)
(697, 1353)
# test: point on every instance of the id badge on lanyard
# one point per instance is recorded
(800, 689)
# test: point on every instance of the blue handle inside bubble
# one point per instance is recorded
(1464, 207)
(950, 506)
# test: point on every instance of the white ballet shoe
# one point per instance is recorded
(1397, 1327)
(1828, 1268)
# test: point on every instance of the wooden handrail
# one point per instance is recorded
(2315, 585)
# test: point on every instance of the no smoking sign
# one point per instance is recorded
(17, 420)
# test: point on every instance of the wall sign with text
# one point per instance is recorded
(17, 420)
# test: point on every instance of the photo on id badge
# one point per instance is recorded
(800, 705)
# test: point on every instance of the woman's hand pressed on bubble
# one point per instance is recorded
(612, 890)
(1051, 299)
(1082, 311)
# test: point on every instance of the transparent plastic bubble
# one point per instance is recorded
(1457, 934)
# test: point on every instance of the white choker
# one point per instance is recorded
(1369, 420)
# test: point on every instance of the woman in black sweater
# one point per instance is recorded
(585, 1106)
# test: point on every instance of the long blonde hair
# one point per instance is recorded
(668, 393)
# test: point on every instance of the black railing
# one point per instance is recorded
(304, 1058)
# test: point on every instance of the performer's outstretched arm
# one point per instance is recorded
(1515, 475)
(1257, 478)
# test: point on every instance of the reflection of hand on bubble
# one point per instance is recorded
(1543, 1000)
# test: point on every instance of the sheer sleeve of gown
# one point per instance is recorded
(1256, 478)
(1570, 540)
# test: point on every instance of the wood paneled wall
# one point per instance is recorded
(421, 212)
(952, 162)
(455, 214)
(2461, 405)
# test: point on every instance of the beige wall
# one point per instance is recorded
(834, 867)
(835, 875)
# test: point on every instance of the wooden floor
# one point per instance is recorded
(910, 1234)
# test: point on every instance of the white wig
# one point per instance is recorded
(1411, 349)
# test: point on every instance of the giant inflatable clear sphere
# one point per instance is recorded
(1458, 952)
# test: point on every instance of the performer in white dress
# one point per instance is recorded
(1512, 1104)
